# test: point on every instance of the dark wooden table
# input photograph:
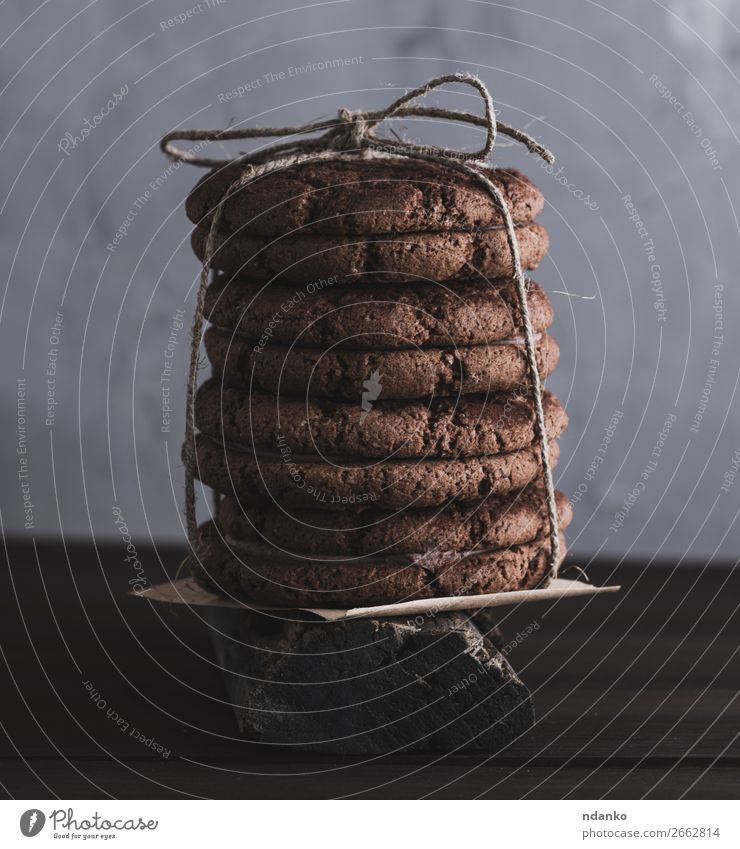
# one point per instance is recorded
(636, 695)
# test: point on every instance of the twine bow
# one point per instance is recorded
(353, 133)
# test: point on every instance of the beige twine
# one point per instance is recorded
(352, 133)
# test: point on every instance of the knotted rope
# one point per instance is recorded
(353, 133)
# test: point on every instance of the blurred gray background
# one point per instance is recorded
(640, 104)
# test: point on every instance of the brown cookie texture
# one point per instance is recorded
(395, 373)
(441, 428)
(247, 574)
(498, 521)
(362, 195)
(361, 316)
(294, 481)
(446, 256)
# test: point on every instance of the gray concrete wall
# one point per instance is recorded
(640, 102)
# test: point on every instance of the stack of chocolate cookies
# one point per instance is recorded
(369, 424)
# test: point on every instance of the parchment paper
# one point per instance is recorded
(191, 592)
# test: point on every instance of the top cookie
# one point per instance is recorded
(362, 196)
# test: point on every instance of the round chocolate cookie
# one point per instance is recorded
(441, 428)
(365, 376)
(362, 195)
(445, 256)
(246, 572)
(402, 315)
(294, 481)
(495, 522)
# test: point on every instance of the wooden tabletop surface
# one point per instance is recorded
(636, 695)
